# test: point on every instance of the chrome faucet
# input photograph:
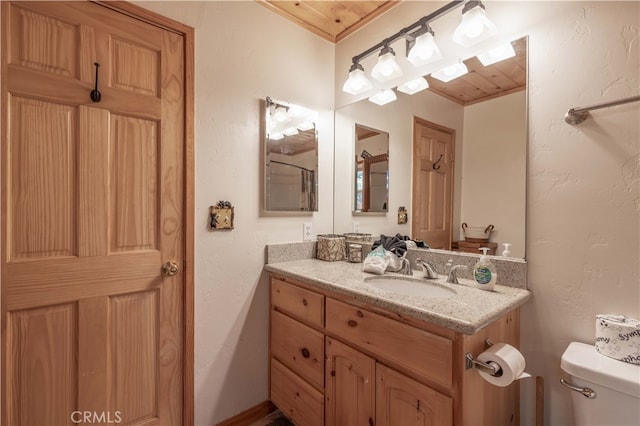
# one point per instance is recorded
(428, 269)
(452, 278)
(406, 267)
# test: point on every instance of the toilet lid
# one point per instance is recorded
(585, 362)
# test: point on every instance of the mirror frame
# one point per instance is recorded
(366, 174)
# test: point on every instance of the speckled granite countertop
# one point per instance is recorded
(468, 311)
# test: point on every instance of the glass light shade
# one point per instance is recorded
(357, 82)
(452, 71)
(276, 136)
(424, 51)
(383, 97)
(474, 28)
(414, 86)
(497, 54)
(387, 68)
(280, 115)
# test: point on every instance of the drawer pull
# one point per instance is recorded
(304, 302)
(370, 421)
(305, 352)
(360, 314)
(352, 323)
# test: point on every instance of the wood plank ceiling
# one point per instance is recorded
(335, 20)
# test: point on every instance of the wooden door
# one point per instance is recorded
(350, 386)
(92, 207)
(401, 401)
(432, 194)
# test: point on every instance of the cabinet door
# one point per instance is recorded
(403, 401)
(350, 386)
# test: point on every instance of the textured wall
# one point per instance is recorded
(243, 54)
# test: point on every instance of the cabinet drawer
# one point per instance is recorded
(298, 347)
(424, 354)
(297, 301)
(295, 397)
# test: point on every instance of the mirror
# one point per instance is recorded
(488, 157)
(372, 170)
(290, 152)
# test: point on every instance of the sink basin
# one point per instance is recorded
(409, 286)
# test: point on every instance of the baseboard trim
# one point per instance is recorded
(250, 415)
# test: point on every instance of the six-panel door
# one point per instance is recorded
(92, 207)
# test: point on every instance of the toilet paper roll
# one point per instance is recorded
(510, 361)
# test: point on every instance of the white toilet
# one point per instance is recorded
(615, 385)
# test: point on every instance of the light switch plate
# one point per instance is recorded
(307, 232)
(355, 227)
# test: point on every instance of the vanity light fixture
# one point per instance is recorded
(413, 86)
(357, 81)
(497, 54)
(421, 48)
(450, 72)
(475, 26)
(387, 68)
(383, 97)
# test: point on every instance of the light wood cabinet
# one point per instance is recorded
(404, 401)
(337, 361)
(350, 386)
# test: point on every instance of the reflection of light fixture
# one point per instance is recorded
(497, 54)
(383, 97)
(475, 26)
(286, 119)
(280, 114)
(365, 154)
(306, 125)
(413, 86)
(450, 72)
(357, 81)
(420, 45)
(423, 49)
(276, 136)
(387, 68)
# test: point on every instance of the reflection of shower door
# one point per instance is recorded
(432, 197)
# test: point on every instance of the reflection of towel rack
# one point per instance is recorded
(292, 165)
(578, 115)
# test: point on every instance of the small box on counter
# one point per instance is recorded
(331, 247)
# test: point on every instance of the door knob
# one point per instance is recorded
(170, 268)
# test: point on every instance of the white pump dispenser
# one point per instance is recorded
(484, 273)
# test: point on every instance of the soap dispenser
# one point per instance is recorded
(484, 273)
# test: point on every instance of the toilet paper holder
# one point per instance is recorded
(491, 368)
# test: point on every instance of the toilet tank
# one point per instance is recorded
(616, 385)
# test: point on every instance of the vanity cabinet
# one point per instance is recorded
(338, 361)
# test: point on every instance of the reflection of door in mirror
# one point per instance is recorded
(432, 198)
(371, 170)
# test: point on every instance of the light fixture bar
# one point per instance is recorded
(406, 31)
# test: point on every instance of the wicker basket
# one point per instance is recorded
(331, 247)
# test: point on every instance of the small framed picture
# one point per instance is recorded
(220, 216)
